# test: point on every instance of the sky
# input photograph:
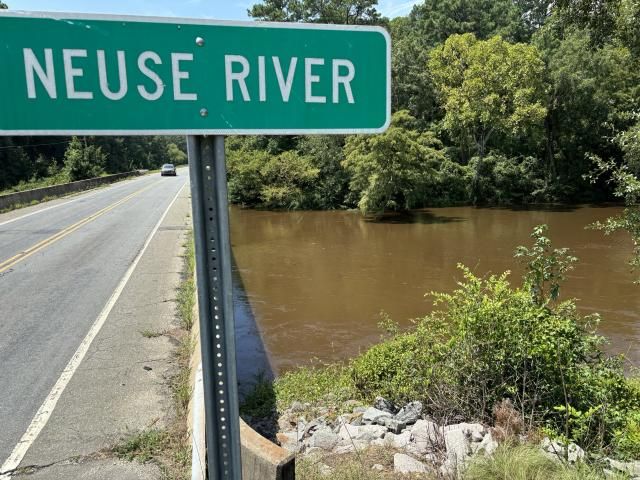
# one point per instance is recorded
(218, 9)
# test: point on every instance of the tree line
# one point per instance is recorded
(495, 102)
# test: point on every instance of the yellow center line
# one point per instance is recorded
(9, 263)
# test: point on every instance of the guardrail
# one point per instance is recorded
(37, 194)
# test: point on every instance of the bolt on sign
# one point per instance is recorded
(100, 74)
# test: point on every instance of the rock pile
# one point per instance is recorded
(421, 444)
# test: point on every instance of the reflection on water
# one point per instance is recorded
(316, 281)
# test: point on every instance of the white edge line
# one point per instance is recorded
(46, 409)
(207, 22)
(89, 193)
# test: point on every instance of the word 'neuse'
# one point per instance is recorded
(236, 67)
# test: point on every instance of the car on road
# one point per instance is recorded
(168, 169)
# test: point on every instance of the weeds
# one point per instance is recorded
(526, 462)
(147, 333)
(186, 297)
(142, 446)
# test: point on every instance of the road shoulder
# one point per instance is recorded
(122, 387)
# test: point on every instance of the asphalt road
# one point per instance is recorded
(59, 265)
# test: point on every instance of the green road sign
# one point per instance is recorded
(104, 75)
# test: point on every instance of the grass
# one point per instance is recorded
(186, 298)
(147, 333)
(526, 462)
(329, 384)
(142, 446)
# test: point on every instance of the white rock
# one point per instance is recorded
(425, 435)
(324, 438)
(405, 464)
(373, 415)
(349, 447)
(632, 468)
(488, 445)
(289, 441)
(574, 453)
(457, 447)
(377, 467)
(366, 433)
(398, 441)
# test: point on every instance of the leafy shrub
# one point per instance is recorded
(627, 438)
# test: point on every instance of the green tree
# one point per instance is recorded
(3, 6)
(175, 155)
(326, 153)
(591, 98)
(411, 83)
(626, 181)
(82, 160)
(488, 87)
(260, 179)
(288, 181)
(393, 170)
(361, 12)
(437, 20)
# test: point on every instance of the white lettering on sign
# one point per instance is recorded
(32, 66)
(310, 79)
(45, 74)
(104, 80)
(179, 75)
(344, 80)
(238, 74)
(262, 80)
(70, 73)
(239, 77)
(285, 86)
(153, 76)
(242, 75)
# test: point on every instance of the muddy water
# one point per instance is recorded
(316, 281)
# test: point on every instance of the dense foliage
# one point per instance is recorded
(510, 101)
(490, 341)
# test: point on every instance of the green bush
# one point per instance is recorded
(627, 438)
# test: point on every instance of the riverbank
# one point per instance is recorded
(489, 344)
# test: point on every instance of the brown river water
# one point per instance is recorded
(315, 282)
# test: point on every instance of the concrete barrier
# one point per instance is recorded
(262, 459)
(37, 194)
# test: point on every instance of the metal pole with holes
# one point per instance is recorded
(213, 270)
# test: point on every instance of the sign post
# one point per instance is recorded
(215, 304)
(80, 74)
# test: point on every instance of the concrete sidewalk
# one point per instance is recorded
(122, 385)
